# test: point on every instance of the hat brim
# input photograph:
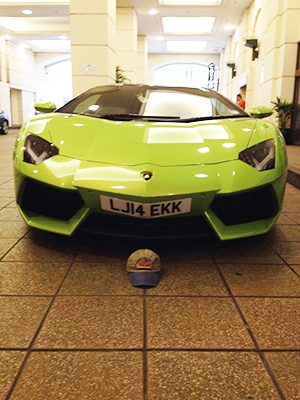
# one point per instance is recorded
(146, 279)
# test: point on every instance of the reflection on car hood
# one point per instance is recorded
(140, 142)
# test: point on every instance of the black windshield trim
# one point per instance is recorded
(134, 107)
(196, 119)
(136, 117)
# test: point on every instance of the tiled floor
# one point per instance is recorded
(223, 324)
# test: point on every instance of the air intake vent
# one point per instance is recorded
(49, 201)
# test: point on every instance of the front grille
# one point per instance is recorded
(49, 201)
(146, 228)
(246, 207)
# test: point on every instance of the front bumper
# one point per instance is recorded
(230, 199)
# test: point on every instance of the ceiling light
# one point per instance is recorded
(27, 12)
(159, 38)
(229, 27)
(186, 47)
(188, 25)
(191, 2)
(63, 37)
(7, 37)
(152, 11)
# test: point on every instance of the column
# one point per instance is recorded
(93, 31)
(126, 44)
(5, 103)
(142, 59)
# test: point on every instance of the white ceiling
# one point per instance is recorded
(50, 19)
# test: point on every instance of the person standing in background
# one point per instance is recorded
(240, 102)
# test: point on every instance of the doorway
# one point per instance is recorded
(16, 107)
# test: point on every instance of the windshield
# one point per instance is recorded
(130, 102)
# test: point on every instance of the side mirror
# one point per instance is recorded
(45, 107)
(261, 112)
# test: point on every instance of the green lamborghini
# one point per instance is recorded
(150, 162)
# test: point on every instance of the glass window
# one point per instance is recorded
(155, 103)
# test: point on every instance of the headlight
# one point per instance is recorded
(261, 156)
(38, 150)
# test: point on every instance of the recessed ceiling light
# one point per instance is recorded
(186, 46)
(152, 11)
(63, 37)
(160, 38)
(27, 12)
(229, 27)
(7, 37)
(188, 25)
(191, 2)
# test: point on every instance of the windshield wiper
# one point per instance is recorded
(152, 118)
(131, 117)
(196, 119)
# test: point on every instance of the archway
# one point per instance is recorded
(57, 80)
(184, 73)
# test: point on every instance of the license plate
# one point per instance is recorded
(146, 210)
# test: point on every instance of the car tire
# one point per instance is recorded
(4, 127)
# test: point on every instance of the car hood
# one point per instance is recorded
(159, 143)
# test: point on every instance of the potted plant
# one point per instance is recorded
(120, 76)
(284, 111)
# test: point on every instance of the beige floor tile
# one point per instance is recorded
(284, 233)
(246, 251)
(93, 322)
(10, 362)
(294, 216)
(5, 245)
(4, 193)
(10, 214)
(185, 279)
(289, 251)
(290, 189)
(109, 278)
(207, 376)
(284, 219)
(291, 207)
(81, 375)
(33, 250)
(296, 268)
(7, 184)
(12, 204)
(274, 322)
(101, 256)
(195, 323)
(286, 368)
(5, 201)
(19, 319)
(261, 280)
(4, 182)
(12, 230)
(199, 255)
(31, 278)
(292, 198)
